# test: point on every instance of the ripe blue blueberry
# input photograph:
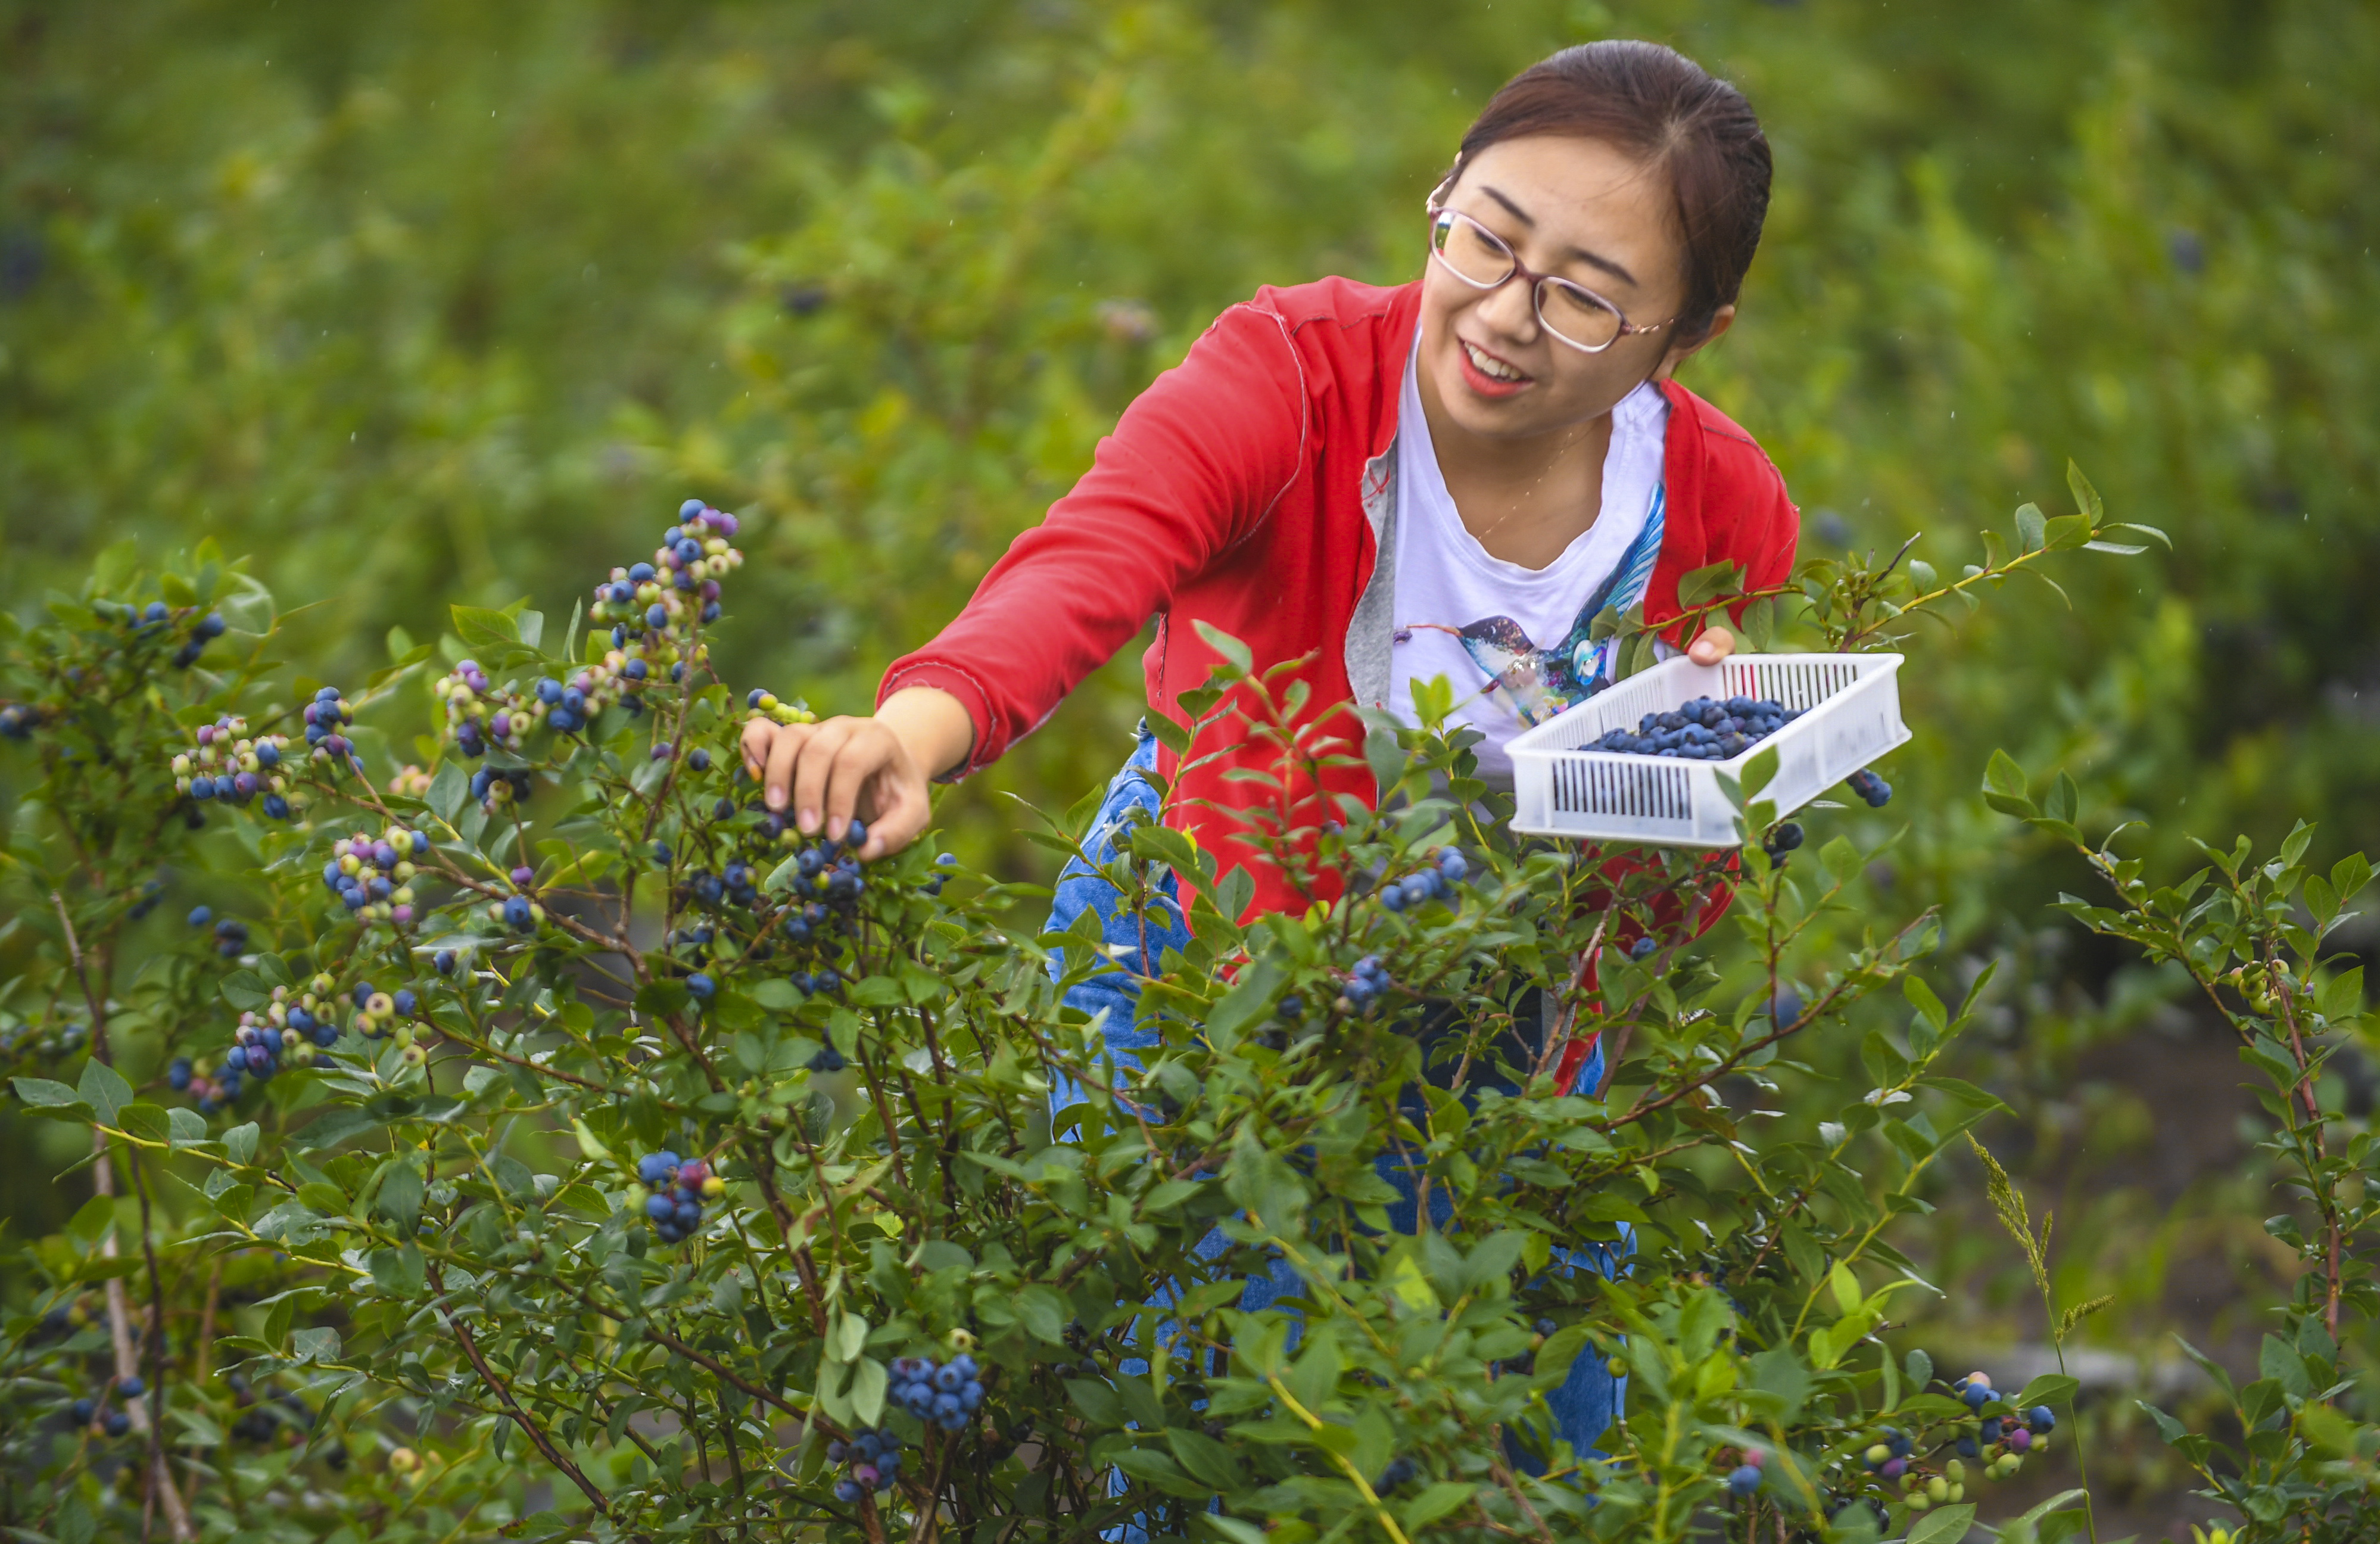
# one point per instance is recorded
(1393, 896)
(1644, 948)
(855, 835)
(1977, 1396)
(698, 759)
(516, 914)
(689, 509)
(1744, 1481)
(200, 916)
(702, 987)
(82, 1410)
(2042, 1418)
(657, 616)
(119, 1423)
(442, 962)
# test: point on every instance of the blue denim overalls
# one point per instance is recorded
(1585, 1404)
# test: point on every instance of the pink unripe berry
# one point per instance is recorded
(521, 877)
(690, 1176)
(2020, 1439)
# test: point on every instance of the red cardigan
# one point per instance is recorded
(1251, 488)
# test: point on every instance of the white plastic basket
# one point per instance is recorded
(1851, 715)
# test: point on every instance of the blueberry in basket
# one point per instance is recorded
(1703, 730)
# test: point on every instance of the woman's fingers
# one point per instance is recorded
(811, 769)
(784, 751)
(903, 807)
(1714, 645)
(825, 774)
(758, 735)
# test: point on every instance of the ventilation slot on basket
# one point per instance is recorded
(1601, 787)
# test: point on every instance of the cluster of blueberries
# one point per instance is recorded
(2002, 1442)
(324, 716)
(764, 703)
(944, 1393)
(496, 789)
(1702, 730)
(1870, 787)
(283, 1415)
(373, 876)
(225, 764)
(380, 1013)
(1434, 883)
(676, 1189)
(266, 1042)
(517, 911)
(90, 1412)
(64, 1041)
(231, 934)
(150, 621)
(1369, 981)
(654, 606)
(465, 691)
(875, 1460)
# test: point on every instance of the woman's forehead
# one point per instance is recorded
(1569, 198)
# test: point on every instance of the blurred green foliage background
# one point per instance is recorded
(456, 302)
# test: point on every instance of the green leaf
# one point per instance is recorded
(398, 1271)
(400, 1198)
(868, 1385)
(1206, 1460)
(103, 1089)
(240, 1143)
(2032, 528)
(2050, 1388)
(1759, 771)
(1709, 583)
(2086, 498)
(1435, 1503)
(1230, 647)
(44, 1093)
(1043, 1313)
(2004, 786)
(1946, 1524)
(482, 628)
(246, 991)
(2066, 533)
(448, 790)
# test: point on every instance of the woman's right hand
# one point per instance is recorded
(879, 769)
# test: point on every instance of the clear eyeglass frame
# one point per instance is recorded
(1584, 306)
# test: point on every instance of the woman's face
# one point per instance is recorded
(1580, 210)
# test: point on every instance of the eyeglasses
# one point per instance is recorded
(1571, 313)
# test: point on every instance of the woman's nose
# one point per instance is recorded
(1511, 308)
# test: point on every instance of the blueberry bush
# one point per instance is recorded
(500, 1124)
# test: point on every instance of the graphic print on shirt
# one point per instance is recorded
(1534, 684)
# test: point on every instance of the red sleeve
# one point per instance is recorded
(1196, 464)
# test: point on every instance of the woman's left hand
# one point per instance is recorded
(1714, 645)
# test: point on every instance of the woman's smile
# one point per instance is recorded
(1490, 376)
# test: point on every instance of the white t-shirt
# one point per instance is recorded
(1513, 641)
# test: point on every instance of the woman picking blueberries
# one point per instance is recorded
(1450, 477)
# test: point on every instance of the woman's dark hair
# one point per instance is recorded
(1655, 103)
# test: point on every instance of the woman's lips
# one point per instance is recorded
(1484, 385)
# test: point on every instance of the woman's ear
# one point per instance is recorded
(1720, 321)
